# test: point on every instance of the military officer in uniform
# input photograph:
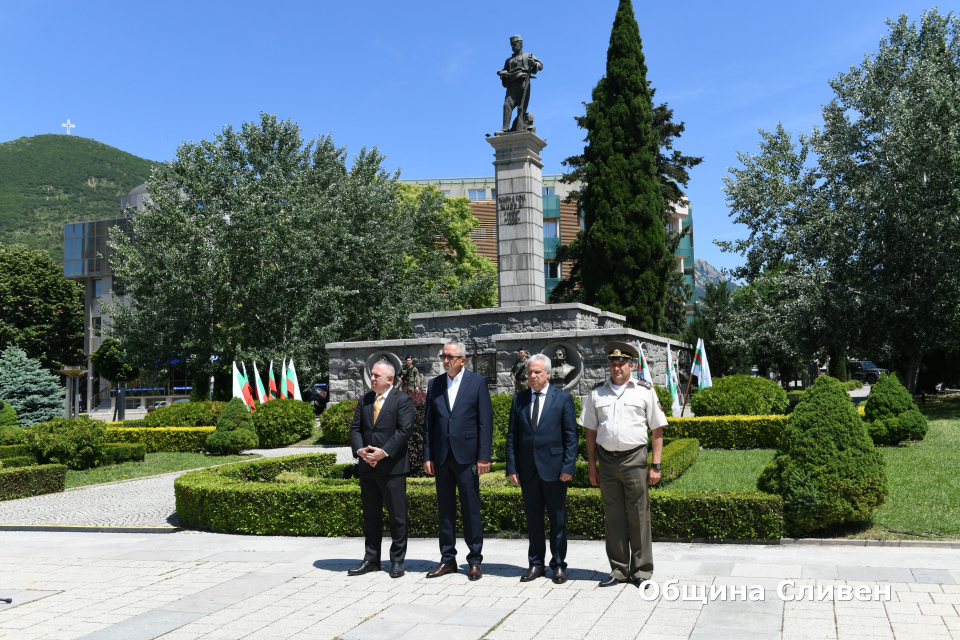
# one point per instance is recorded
(410, 378)
(617, 414)
(519, 372)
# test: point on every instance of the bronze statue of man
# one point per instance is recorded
(515, 76)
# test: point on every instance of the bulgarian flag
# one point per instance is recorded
(241, 388)
(247, 389)
(273, 393)
(293, 385)
(644, 373)
(701, 368)
(261, 392)
(673, 381)
(283, 379)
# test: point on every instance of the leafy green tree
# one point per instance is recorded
(260, 246)
(40, 311)
(34, 392)
(624, 259)
(867, 210)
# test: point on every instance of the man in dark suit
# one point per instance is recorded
(541, 459)
(381, 426)
(458, 438)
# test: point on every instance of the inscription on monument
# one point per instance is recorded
(509, 207)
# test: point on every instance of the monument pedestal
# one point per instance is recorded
(519, 172)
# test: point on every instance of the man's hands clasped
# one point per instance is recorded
(372, 455)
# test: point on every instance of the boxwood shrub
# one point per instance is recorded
(740, 395)
(235, 430)
(283, 421)
(14, 451)
(75, 442)
(729, 432)
(20, 461)
(117, 452)
(826, 467)
(245, 498)
(23, 482)
(891, 414)
(335, 421)
(171, 439)
(8, 415)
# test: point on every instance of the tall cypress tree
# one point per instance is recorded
(627, 263)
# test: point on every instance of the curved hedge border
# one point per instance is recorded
(163, 438)
(241, 498)
(23, 482)
(729, 432)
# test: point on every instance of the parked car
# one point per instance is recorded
(865, 371)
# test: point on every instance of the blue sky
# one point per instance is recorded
(417, 79)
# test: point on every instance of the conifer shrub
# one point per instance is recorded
(740, 395)
(8, 415)
(283, 421)
(892, 414)
(234, 432)
(34, 392)
(335, 421)
(182, 414)
(826, 468)
(666, 400)
(77, 443)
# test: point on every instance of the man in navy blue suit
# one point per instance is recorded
(541, 459)
(458, 437)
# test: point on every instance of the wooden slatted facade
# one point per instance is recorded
(485, 236)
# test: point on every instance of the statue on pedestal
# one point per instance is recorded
(561, 368)
(516, 74)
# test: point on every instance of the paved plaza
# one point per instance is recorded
(187, 586)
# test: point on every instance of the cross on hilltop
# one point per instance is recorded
(68, 126)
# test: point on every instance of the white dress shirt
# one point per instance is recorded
(543, 400)
(453, 387)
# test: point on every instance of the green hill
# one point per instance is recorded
(49, 180)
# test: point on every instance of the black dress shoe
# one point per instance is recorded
(475, 573)
(610, 582)
(638, 582)
(442, 570)
(559, 575)
(365, 567)
(396, 569)
(532, 574)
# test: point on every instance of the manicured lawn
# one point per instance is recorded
(723, 470)
(154, 464)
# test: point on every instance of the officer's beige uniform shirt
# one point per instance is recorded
(621, 419)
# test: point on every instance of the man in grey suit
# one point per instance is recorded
(541, 459)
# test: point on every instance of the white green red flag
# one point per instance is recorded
(247, 390)
(272, 391)
(673, 381)
(644, 372)
(283, 378)
(293, 385)
(261, 392)
(239, 384)
(701, 368)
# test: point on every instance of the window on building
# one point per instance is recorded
(548, 191)
(583, 223)
(478, 194)
(96, 325)
(550, 229)
(493, 194)
(98, 288)
(445, 192)
(551, 270)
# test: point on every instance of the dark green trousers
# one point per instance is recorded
(626, 507)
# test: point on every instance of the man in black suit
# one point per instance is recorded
(458, 438)
(541, 459)
(381, 426)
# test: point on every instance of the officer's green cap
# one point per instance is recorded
(618, 349)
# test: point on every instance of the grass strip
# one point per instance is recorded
(153, 464)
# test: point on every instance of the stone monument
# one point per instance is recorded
(572, 335)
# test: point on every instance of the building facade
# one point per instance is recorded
(561, 222)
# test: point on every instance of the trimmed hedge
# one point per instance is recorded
(117, 452)
(75, 442)
(24, 482)
(740, 395)
(335, 421)
(677, 457)
(730, 432)
(221, 500)
(171, 439)
(14, 451)
(182, 414)
(20, 461)
(283, 421)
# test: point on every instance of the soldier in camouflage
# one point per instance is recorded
(519, 372)
(410, 379)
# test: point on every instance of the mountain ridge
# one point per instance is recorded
(704, 272)
(49, 180)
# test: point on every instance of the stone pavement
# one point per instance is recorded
(188, 586)
(142, 502)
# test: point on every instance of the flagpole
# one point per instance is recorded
(687, 394)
